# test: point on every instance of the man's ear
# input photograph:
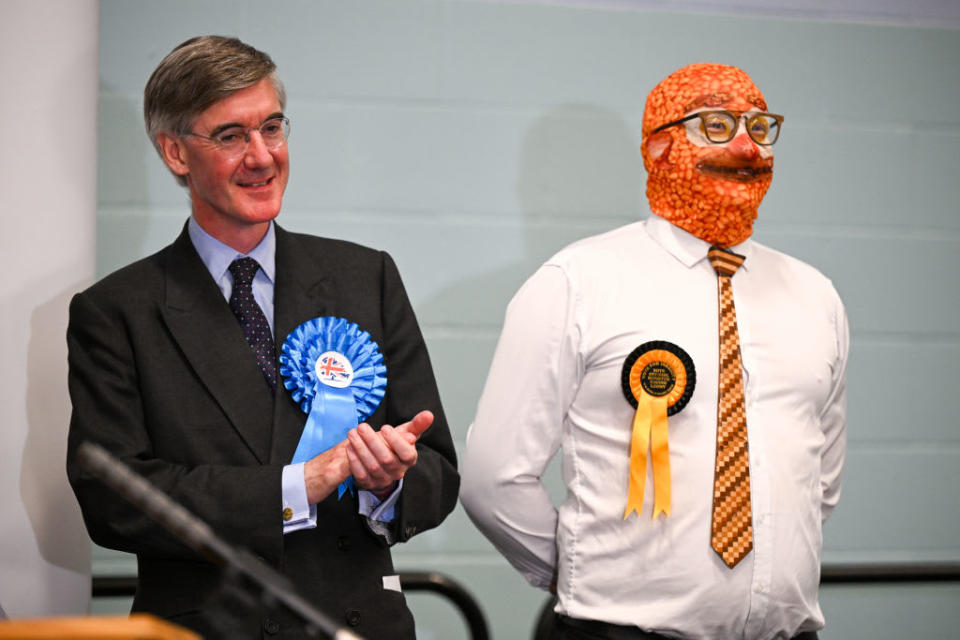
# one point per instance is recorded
(173, 153)
(657, 145)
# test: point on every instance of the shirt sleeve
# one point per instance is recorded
(519, 424)
(297, 514)
(373, 508)
(833, 418)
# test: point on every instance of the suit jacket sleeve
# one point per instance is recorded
(430, 488)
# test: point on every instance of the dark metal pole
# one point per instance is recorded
(196, 534)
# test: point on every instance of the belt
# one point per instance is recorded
(609, 631)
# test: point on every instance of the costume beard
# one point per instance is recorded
(707, 192)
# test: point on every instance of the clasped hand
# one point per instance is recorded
(377, 460)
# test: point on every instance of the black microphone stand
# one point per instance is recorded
(240, 566)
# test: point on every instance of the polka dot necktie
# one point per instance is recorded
(252, 321)
(731, 528)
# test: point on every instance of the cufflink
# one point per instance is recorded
(287, 514)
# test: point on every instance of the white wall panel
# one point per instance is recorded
(48, 56)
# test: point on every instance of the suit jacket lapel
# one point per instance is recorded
(202, 324)
(303, 291)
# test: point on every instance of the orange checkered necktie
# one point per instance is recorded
(731, 528)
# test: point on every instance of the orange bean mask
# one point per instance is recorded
(710, 190)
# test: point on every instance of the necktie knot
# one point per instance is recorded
(725, 262)
(243, 270)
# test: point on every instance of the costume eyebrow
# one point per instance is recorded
(719, 100)
(709, 100)
(230, 125)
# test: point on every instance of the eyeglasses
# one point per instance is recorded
(722, 126)
(233, 141)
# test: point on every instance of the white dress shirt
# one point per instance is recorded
(555, 384)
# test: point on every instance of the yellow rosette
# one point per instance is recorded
(658, 379)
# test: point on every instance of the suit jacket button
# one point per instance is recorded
(411, 530)
(353, 617)
(343, 543)
(271, 626)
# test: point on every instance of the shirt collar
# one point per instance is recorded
(217, 256)
(686, 247)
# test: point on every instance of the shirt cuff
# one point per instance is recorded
(296, 513)
(375, 509)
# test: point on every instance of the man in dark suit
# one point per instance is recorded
(173, 368)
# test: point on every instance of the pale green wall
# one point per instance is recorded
(474, 139)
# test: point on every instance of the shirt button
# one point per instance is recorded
(287, 514)
(353, 617)
(270, 626)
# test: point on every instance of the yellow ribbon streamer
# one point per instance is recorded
(649, 432)
(660, 453)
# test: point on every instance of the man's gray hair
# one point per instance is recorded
(195, 75)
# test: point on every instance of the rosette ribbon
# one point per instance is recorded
(336, 373)
(649, 432)
(658, 379)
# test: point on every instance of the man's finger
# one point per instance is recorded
(375, 444)
(368, 475)
(420, 423)
(357, 469)
(362, 452)
(403, 444)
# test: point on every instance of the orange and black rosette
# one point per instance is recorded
(658, 379)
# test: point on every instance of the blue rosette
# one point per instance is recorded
(336, 373)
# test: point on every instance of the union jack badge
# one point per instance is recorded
(334, 370)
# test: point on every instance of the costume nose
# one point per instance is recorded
(743, 147)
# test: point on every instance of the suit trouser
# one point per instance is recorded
(567, 628)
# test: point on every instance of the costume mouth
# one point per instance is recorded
(735, 172)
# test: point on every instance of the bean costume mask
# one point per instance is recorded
(710, 190)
